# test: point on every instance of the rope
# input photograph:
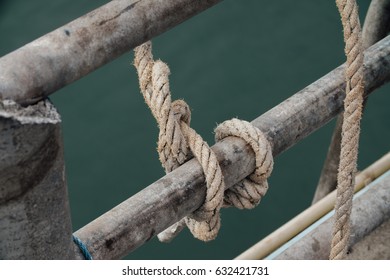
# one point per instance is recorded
(348, 10)
(83, 248)
(247, 193)
(178, 142)
(177, 139)
(172, 147)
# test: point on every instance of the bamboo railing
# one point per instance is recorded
(142, 216)
(73, 51)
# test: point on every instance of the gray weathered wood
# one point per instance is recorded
(377, 23)
(34, 212)
(370, 209)
(374, 246)
(328, 177)
(72, 51)
(142, 216)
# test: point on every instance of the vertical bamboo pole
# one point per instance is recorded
(34, 211)
(377, 22)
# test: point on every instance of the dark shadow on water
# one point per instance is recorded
(3, 5)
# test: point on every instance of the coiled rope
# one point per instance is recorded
(353, 103)
(178, 142)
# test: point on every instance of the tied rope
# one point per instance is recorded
(353, 103)
(83, 248)
(178, 142)
(247, 193)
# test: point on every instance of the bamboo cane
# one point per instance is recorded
(371, 209)
(72, 51)
(311, 214)
(377, 23)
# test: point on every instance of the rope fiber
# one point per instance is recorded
(83, 248)
(353, 103)
(178, 142)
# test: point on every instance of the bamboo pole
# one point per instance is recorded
(142, 216)
(70, 52)
(370, 210)
(296, 225)
(374, 246)
(376, 26)
(377, 23)
(34, 211)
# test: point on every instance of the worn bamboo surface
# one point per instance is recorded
(296, 225)
(72, 51)
(370, 210)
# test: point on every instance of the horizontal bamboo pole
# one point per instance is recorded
(370, 210)
(142, 216)
(72, 51)
(374, 246)
(296, 225)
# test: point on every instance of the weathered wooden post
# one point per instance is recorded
(34, 210)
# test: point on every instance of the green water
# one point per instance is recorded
(238, 59)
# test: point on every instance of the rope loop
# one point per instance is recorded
(178, 142)
(247, 193)
(154, 83)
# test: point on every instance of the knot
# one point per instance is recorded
(154, 83)
(178, 142)
(247, 193)
(181, 111)
(204, 223)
